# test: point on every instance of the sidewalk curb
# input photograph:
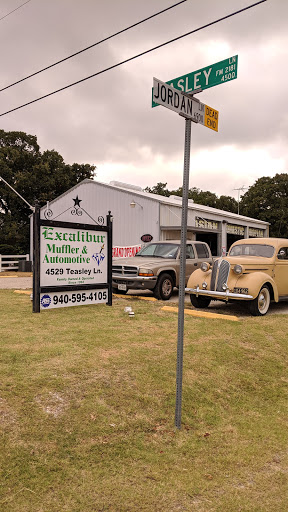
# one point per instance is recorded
(202, 314)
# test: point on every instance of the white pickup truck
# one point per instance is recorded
(156, 267)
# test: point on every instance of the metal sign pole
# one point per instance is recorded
(186, 106)
(109, 226)
(179, 369)
(36, 259)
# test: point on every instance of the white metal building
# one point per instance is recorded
(137, 213)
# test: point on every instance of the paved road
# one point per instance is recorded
(22, 283)
(17, 283)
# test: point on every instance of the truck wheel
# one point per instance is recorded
(200, 302)
(164, 287)
(260, 305)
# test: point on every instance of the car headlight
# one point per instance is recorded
(238, 269)
(205, 266)
(145, 272)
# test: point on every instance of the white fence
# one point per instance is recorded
(11, 261)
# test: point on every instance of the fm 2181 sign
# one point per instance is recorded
(72, 264)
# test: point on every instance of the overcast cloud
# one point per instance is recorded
(108, 120)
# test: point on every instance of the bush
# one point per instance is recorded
(7, 249)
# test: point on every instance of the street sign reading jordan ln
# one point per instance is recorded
(204, 78)
(190, 108)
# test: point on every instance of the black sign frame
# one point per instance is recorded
(37, 289)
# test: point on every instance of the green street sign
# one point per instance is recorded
(204, 78)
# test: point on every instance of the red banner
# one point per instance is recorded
(125, 252)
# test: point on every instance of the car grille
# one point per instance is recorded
(120, 281)
(213, 275)
(220, 273)
(124, 270)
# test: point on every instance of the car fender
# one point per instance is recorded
(168, 270)
(197, 277)
(254, 282)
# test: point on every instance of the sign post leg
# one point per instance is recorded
(179, 369)
(36, 259)
(109, 226)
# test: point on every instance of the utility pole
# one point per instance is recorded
(242, 189)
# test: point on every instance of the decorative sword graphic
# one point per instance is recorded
(98, 257)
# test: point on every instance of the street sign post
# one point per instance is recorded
(179, 366)
(204, 78)
(178, 96)
(193, 110)
(189, 107)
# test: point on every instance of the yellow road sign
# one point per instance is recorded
(211, 118)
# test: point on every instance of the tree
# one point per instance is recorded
(198, 196)
(206, 198)
(160, 189)
(267, 200)
(227, 203)
(35, 175)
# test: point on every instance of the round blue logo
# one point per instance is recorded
(46, 301)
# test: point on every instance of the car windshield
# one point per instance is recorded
(258, 250)
(159, 251)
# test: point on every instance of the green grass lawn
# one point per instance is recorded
(87, 402)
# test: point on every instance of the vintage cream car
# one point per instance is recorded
(255, 271)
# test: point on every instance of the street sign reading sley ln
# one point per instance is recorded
(204, 78)
(190, 108)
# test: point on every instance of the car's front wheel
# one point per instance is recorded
(200, 301)
(164, 287)
(260, 305)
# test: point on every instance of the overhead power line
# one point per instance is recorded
(92, 45)
(135, 57)
(14, 10)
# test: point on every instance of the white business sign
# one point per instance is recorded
(52, 300)
(175, 100)
(71, 256)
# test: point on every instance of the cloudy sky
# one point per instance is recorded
(108, 120)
